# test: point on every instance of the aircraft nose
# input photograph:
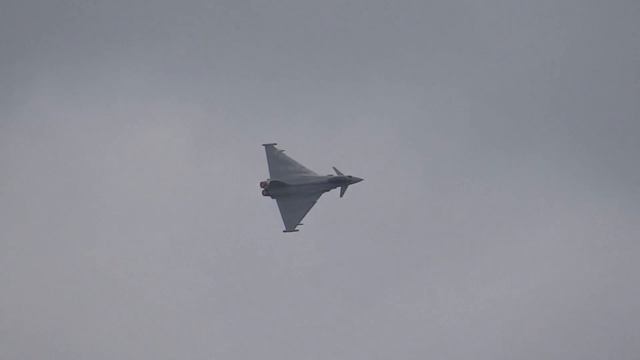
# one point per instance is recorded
(357, 179)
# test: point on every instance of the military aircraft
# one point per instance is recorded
(295, 188)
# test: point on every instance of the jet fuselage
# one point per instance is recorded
(306, 185)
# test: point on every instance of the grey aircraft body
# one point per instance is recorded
(295, 188)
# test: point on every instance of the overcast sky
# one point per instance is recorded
(498, 219)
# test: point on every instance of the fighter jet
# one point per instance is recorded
(295, 188)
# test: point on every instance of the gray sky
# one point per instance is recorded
(499, 141)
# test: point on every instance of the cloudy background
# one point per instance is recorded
(499, 218)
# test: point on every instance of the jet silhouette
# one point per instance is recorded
(295, 188)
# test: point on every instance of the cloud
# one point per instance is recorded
(497, 219)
